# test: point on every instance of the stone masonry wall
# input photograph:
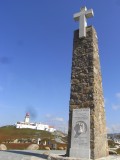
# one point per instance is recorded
(86, 91)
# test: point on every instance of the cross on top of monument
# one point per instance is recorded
(82, 18)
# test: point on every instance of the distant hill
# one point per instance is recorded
(12, 133)
(114, 135)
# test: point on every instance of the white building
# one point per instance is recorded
(37, 126)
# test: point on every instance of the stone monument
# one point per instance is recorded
(87, 136)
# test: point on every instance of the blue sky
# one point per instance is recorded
(36, 40)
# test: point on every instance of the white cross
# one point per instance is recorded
(82, 18)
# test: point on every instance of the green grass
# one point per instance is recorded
(111, 143)
(10, 132)
(118, 151)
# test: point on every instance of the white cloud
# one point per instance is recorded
(59, 119)
(58, 122)
(116, 107)
(114, 128)
(53, 118)
(118, 95)
(48, 115)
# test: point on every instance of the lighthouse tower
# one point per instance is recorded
(27, 118)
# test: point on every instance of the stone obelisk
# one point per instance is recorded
(87, 136)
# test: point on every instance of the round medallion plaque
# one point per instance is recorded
(80, 128)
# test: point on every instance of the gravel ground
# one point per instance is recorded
(37, 155)
(26, 154)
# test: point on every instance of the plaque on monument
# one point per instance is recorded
(80, 140)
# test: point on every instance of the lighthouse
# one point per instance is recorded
(27, 118)
(32, 125)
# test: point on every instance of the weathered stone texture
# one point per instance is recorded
(86, 91)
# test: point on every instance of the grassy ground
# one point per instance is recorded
(118, 151)
(10, 132)
(9, 135)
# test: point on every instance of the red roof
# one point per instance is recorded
(27, 114)
(51, 126)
